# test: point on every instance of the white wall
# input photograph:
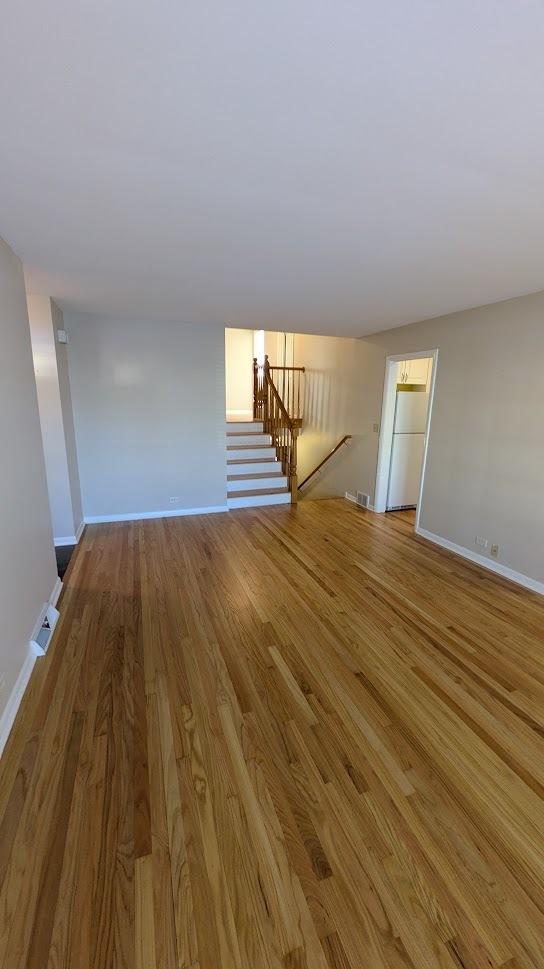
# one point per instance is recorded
(336, 402)
(485, 466)
(149, 413)
(27, 561)
(279, 346)
(55, 407)
(61, 350)
(239, 372)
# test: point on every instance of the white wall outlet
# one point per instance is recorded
(174, 499)
(62, 336)
(481, 541)
(495, 551)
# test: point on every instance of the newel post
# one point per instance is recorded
(293, 480)
(255, 387)
(266, 391)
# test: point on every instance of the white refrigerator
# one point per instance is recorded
(407, 451)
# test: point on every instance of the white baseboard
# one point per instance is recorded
(139, 515)
(56, 592)
(9, 712)
(467, 553)
(61, 540)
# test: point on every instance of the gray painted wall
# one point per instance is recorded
(485, 466)
(149, 414)
(27, 561)
(336, 402)
(56, 420)
(61, 351)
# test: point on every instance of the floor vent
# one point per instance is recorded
(43, 636)
(362, 499)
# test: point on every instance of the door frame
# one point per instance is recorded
(387, 425)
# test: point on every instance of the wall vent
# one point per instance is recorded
(362, 499)
(43, 635)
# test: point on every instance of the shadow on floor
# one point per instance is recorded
(64, 554)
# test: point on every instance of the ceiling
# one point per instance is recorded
(335, 167)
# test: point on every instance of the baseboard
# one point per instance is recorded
(56, 592)
(14, 700)
(518, 577)
(61, 540)
(9, 712)
(139, 515)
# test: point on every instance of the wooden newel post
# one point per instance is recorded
(255, 387)
(293, 481)
(267, 414)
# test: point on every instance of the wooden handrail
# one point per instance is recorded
(346, 437)
(281, 406)
(298, 369)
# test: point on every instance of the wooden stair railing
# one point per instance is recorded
(336, 448)
(278, 421)
(290, 385)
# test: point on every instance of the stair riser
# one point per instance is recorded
(244, 426)
(253, 439)
(251, 484)
(248, 453)
(260, 467)
(255, 501)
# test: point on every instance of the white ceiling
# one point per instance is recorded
(335, 167)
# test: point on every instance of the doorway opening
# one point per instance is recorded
(404, 434)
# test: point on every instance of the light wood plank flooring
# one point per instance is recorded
(277, 738)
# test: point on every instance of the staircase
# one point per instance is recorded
(254, 472)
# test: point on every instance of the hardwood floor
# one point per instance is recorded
(278, 738)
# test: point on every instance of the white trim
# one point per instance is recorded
(386, 427)
(259, 501)
(56, 592)
(489, 564)
(138, 515)
(9, 712)
(69, 539)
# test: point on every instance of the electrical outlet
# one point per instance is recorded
(376, 428)
(481, 541)
(174, 499)
(495, 551)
